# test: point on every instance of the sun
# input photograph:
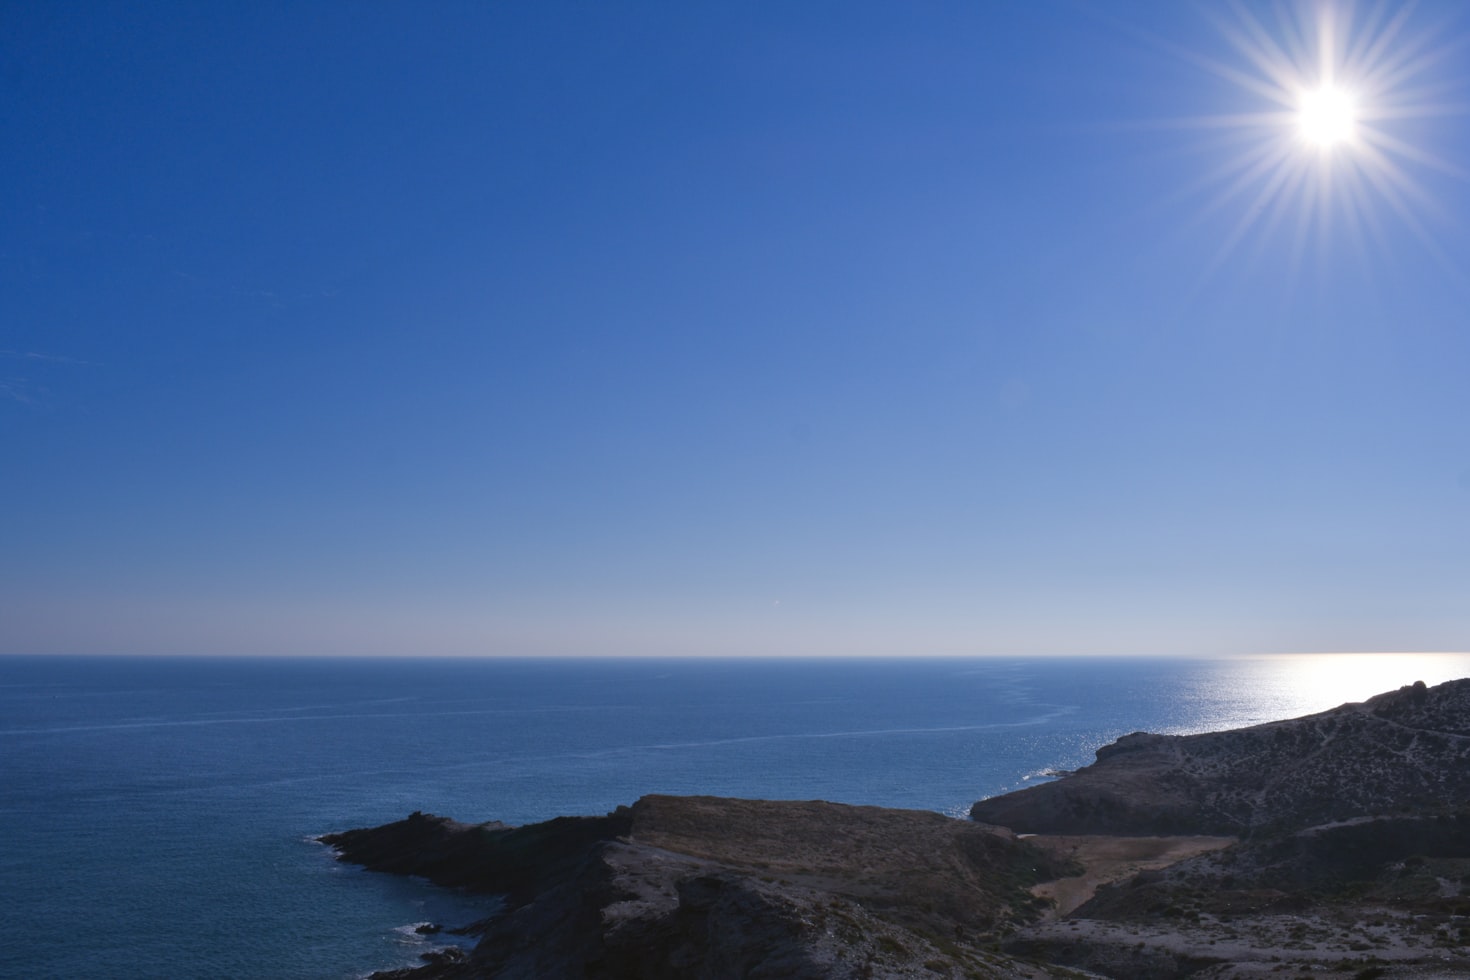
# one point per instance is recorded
(1324, 126)
(1327, 117)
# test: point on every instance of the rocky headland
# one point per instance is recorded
(1400, 751)
(685, 887)
(1336, 845)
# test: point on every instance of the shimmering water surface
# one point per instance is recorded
(156, 814)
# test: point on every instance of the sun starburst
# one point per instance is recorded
(1321, 149)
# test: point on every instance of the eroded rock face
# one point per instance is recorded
(1402, 750)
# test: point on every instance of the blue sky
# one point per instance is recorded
(728, 328)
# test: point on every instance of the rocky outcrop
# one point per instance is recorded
(1399, 751)
(699, 887)
(491, 858)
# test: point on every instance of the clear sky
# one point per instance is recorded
(732, 328)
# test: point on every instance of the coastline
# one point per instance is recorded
(265, 753)
(826, 891)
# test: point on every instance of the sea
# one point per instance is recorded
(158, 815)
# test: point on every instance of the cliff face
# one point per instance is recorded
(699, 887)
(1401, 750)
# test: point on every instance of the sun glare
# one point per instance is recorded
(1315, 146)
(1327, 117)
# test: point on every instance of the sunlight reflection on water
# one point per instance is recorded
(1252, 690)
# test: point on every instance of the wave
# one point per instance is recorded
(410, 933)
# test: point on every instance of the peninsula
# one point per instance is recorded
(1335, 845)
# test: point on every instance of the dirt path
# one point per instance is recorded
(1109, 859)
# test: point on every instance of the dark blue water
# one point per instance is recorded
(156, 814)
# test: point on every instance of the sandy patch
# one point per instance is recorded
(1110, 859)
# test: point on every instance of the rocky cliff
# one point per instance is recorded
(1398, 751)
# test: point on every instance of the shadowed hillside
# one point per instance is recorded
(678, 887)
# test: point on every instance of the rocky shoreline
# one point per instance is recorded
(1336, 845)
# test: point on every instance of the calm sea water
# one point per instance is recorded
(156, 814)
